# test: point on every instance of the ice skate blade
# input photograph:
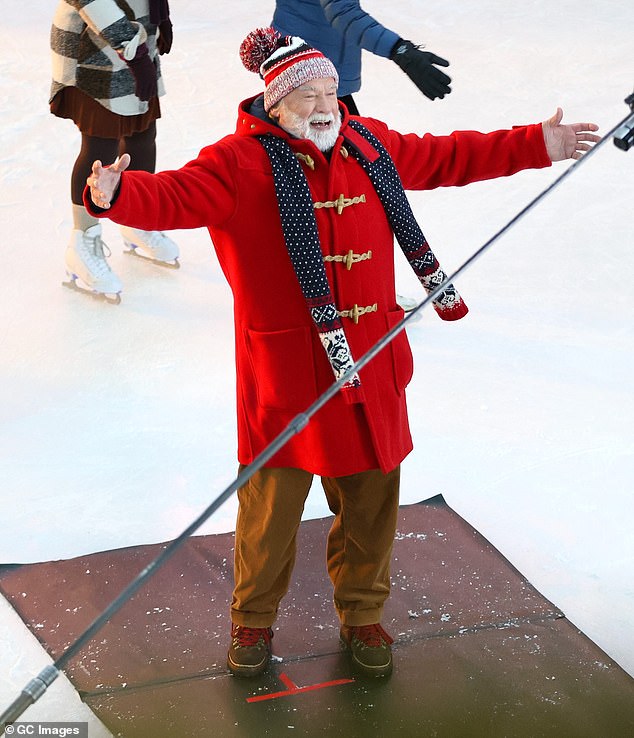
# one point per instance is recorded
(132, 250)
(414, 319)
(112, 299)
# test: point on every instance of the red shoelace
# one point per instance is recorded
(245, 636)
(371, 635)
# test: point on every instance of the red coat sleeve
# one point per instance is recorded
(426, 162)
(200, 194)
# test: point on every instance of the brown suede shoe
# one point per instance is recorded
(370, 646)
(250, 650)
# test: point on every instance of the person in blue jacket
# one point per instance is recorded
(341, 29)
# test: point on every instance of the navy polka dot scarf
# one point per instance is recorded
(387, 183)
(302, 241)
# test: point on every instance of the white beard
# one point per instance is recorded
(323, 140)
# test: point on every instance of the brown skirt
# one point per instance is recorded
(93, 119)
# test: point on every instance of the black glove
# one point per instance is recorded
(419, 67)
(144, 71)
(165, 37)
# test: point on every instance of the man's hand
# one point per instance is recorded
(570, 141)
(103, 181)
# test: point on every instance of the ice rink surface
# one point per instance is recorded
(117, 422)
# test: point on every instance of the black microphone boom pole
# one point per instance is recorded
(38, 686)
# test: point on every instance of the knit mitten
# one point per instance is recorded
(165, 37)
(144, 71)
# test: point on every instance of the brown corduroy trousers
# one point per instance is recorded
(359, 548)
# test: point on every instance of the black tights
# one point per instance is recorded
(140, 146)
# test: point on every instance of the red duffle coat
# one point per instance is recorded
(280, 363)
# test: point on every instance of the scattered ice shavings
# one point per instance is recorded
(412, 614)
(445, 617)
(554, 700)
(402, 536)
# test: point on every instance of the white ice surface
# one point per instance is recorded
(117, 422)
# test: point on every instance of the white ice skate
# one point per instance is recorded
(87, 267)
(151, 245)
(408, 304)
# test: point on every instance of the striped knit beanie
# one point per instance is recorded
(283, 62)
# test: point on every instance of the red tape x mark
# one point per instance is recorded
(294, 689)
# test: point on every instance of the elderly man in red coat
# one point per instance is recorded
(303, 203)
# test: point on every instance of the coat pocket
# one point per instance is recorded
(402, 359)
(283, 367)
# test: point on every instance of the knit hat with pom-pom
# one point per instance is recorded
(283, 62)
